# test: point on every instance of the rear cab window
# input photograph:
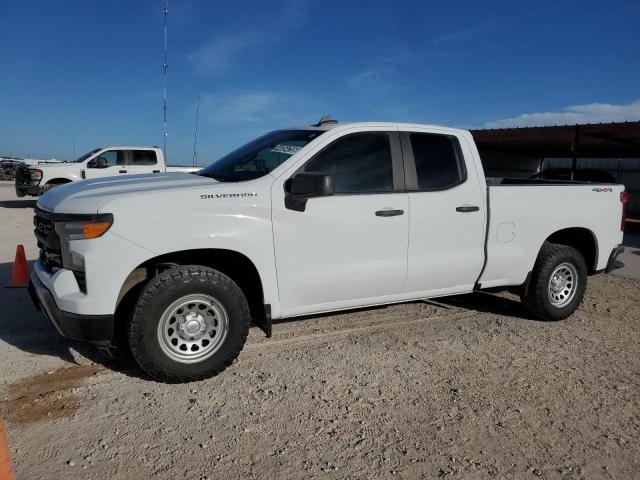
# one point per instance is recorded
(143, 157)
(438, 161)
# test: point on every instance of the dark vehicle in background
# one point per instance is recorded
(592, 175)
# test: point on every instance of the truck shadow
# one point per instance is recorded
(18, 203)
(487, 303)
(29, 330)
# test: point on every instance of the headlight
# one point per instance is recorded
(36, 175)
(85, 229)
(73, 229)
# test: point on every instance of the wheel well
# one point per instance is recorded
(582, 240)
(233, 264)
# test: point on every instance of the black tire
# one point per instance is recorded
(168, 287)
(536, 301)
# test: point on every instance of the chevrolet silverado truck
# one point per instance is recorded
(305, 220)
(102, 162)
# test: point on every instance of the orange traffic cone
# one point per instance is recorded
(6, 470)
(20, 271)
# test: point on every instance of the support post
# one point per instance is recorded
(574, 151)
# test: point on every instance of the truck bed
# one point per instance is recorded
(523, 212)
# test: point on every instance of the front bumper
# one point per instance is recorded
(32, 190)
(96, 329)
(613, 263)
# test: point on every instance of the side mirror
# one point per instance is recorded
(309, 185)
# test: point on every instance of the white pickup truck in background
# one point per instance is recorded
(307, 220)
(102, 162)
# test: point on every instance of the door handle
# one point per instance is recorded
(156, 171)
(467, 208)
(389, 213)
(122, 171)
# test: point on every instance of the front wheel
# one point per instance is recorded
(558, 282)
(190, 323)
(53, 184)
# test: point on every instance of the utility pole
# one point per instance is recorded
(165, 67)
(74, 149)
(195, 135)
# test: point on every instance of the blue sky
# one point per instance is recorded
(91, 70)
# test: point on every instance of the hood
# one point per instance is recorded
(48, 164)
(89, 195)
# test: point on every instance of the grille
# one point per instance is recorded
(22, 175)
(48, 240)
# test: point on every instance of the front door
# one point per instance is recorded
(106, 164)
(349, 248)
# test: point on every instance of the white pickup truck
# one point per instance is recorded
(307, 220)
(102, 162)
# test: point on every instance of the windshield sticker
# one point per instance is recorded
(287, 149)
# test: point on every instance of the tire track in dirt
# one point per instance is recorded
(348, 331)
(56, 394)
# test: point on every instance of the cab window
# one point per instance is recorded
(110, 158)
(357, 163)
(143, 157)
(438, 161)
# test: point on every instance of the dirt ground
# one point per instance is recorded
(464, 387)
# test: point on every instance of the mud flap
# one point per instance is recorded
(264, 322)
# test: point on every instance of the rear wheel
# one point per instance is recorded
(558, 282)
(189, 323)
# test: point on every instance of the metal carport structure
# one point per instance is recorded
(614, 147)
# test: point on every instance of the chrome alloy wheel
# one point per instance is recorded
(193, 328)
(563, 284)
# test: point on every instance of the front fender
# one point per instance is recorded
(163, 226)
(48, 177)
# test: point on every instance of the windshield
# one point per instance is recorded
(260, 156)
(85, 156)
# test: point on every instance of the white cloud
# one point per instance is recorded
(464, 34)
(383, 73)
(369, 78)
(256, 107)
(219, 53)
(588, 113)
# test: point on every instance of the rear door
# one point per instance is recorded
(142, 161)
(447, 217)
(349, 248)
